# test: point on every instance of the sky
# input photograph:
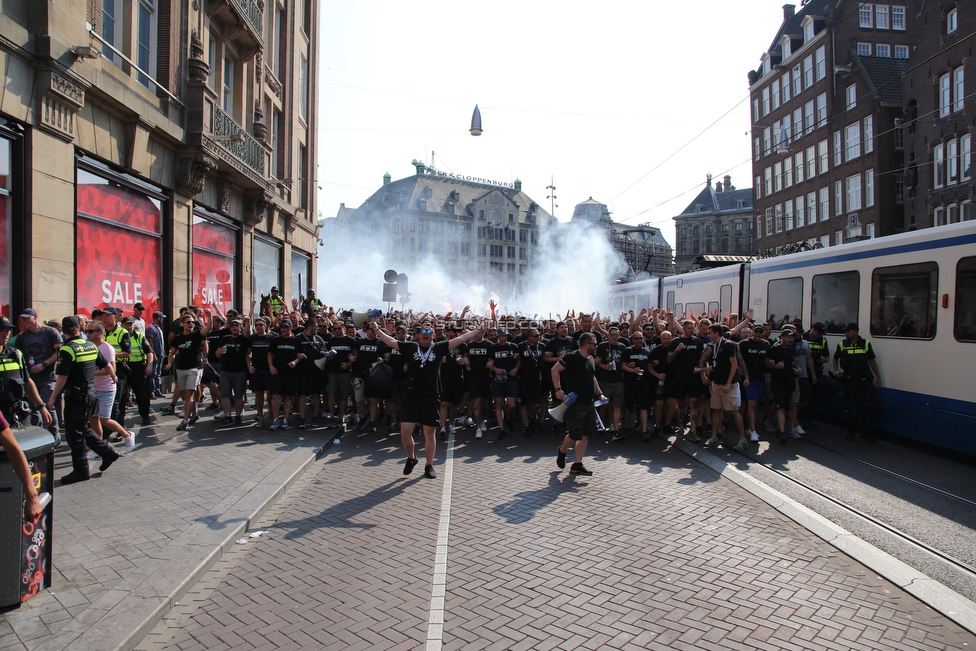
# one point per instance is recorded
(632, 103)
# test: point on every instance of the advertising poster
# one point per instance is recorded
(214, 247)
(118, 249)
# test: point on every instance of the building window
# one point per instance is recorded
(851, 96)
(775, 90)
(800, 216)
(869, 188)
(864, 49)
(303, 88)
(146, 42)
(945, 95)
(838, 149)
(755, 110)
(765, 100)
(769, 221)
(807, 30)
(952, 21)
(821, 62)
(788, 215)
(811, 163)
(823, 194)
(787, 49)
(808, 116)
(966, 156)
(757, 150)
(958, 88)
(821, 110)
(798, 165)
(797, 80)
(785, 83)
(901, 51)
(808, 72)
(768, 181)
(952, 157)
(882, 50)
(852, 138)
(767, 141)
(898, 18)
(228, 86)
(779, 218)
(777, 177)
(838, 198)
(868, 134)
(757, 187)
(899, 189)
(787, 172)
(822, 158)
(112, 21)
(938, 159)
(864, 15)
(881, 17)
(853, 184)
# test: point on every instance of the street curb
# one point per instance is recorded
(927, 590)
(120, 619)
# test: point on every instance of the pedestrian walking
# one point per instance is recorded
(575, 373)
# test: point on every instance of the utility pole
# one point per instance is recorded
(552, 197)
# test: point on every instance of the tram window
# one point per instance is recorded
(712, 309)
(679, 312)
(628, 303)
(725, 298)
(964, 327)
(696, 308)
(670, 302)
(784, 301)
(643, 301)
(618, 305)
(903, 300)
(834, 300)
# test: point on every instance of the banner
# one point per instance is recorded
(214, 277)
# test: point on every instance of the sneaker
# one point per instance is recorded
(711, 441)
(364, 426)
(693, 437)
(560, 459)
(443, 434)
(484, 426)
(130, 442)
(194, 418)
(370, 426)
(468, 422)
(408, 466)
(619, 436)
(182, 425)
(477, 433)
(73, 477)
(303, 424)
(145, 421)
(168, 410)
(501, 435)
(429, 472)
(754, 436)
(783, 438)
(108, 461)
(314, 423)
(221, 416)
(238, 420)
(579, 469)
(284, 424)
(796, 432)
(275, 425)
(394, 426)
(115, 437)
(769, 425)
(355, 419)
(655, 432)
(741, 445)
(450, 430)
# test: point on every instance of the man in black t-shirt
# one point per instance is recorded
(233, 353)
(609, 372)
(260, 382)
(754, 349)
(637, 395)
(479, 380)
(369, 350)
(420, 404)
(504, 363)
(339, 369)
(576, 373)
(399, 365)
(660, 371)
(556, 348)
(683, 356)
(722, 371)
(284, 356)
(783, 378)
(530, 381)
(186, 350)
(311, 379)
(453, 383)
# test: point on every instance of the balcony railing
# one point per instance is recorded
(253, 13)
(249, 151)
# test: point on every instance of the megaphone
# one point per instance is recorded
(558, 413)
(360, 318)
(321, 362)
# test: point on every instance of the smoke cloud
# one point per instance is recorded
(573, 268)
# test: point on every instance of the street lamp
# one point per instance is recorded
(476, 122)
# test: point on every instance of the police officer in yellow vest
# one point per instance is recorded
(140, 367)
(856, 359)
(77, 361)
(820, 354)
(276, 304)
(118, 338)
(18, 393)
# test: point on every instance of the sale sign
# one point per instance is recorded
(214, 247)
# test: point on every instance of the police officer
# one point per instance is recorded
(15, 382)
(140, 367)
(857, 362)
(118, 337)
(820, 354)
(77, 361)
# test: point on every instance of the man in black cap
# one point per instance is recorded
(154, 335)
(77, 361)
(40, 345)
(18, 394)
(139, 323)
(284, 356)
(504, 363)
(856, 361)
(421, 402)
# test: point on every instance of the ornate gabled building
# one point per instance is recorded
(717, 222)
(642, 247)
(156, 151)
(826, 107)
(466, 224)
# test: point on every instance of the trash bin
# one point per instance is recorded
(25, 547)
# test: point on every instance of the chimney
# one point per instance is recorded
(788, 12)
(387, 178)
(728, 182)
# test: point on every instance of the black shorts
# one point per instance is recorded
(453, 390)
(313, 382)
(686, 386)
(425, 410)
(781, 394)
(286, 385)
(530, 393)
(260, 381)
(479, 387)
(581, 420)
(637, 395)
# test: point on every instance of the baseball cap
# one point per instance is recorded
(284, 323)
(128, 319)
(158, 315)
(138, 306)
(851, 326)
(70, 322)
(231, 313)
(6, 324)
(818, 326)
(29, 312)
(503, 332)
(111, 310)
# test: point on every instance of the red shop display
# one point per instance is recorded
(118, 249)
(214, 280)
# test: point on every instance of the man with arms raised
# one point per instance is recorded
(420, 403)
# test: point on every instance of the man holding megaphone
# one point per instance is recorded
(576, 373)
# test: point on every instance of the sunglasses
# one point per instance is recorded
(426, 332)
